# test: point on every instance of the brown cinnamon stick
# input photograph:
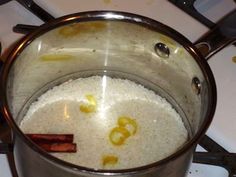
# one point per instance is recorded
(62, 143)
(58, 147)
(51, 138)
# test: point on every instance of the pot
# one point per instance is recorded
(114, 44)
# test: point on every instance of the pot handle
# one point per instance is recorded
(223, 34)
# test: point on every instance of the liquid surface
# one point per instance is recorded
(117, 123)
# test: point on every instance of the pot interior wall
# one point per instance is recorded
(119, 48)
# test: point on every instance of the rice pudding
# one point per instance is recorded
(117, 123)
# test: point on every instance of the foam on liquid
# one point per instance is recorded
(160, 130)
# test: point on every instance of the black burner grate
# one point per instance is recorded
(188, 7)
(216, 155)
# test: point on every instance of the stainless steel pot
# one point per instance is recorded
(111, 43)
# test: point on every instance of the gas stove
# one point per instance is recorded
(184, 17)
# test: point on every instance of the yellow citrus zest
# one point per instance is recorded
(109, 160)
(118, 135)
(128, 123)
(92, 101)
(91, 106)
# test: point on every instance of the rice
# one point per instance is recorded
(159, 128)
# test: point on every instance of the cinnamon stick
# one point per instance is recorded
(58, 147)
(51, 138)
(54, 142)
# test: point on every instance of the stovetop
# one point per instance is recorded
(222, 129)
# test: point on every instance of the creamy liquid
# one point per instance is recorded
(159, 132)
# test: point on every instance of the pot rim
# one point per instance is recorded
(114, 16)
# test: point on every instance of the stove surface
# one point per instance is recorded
(222, 129)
